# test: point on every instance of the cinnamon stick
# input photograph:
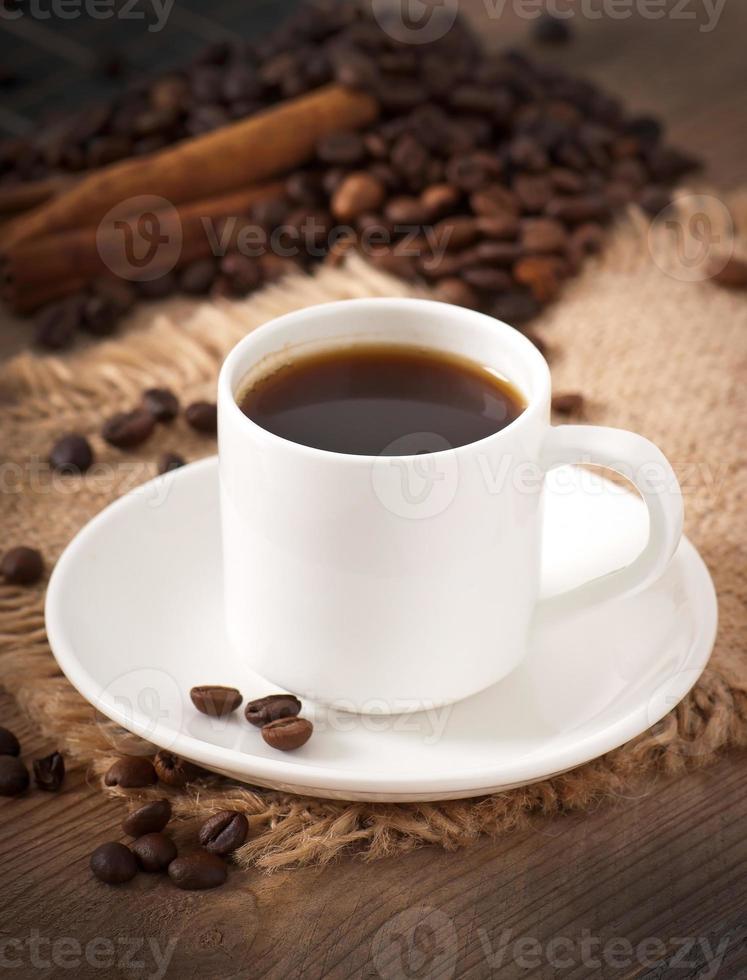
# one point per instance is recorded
(246, 152)
(36, 268)
(21, 197)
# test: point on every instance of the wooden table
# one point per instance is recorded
(651, 886)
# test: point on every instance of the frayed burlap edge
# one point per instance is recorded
(183, 348)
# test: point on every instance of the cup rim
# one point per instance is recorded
(535, 404)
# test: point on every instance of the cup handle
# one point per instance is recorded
(646, 466)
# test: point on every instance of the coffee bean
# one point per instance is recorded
(271, 707)
(9, 744)
(287, 733)
(158, 288)
(14, 777)
(526, 153)
(99, 315)
(22, 566)
(154, 852)
(504, 227)
(455, 233)
(568, 403)
(487, 278)
(357, 194)
(162, 404)
(551, 30)
(56, 326)
(341, 148)
(198, 870)
(113, 863)
(405, 211)
(224, 832)
(131, 771)
(495, 201)
(515, 307)
(732, 273)
(147, 819)
(542, 275)
(49, 772)
(533, 192)
(202, 417)
(473, 172)
(543, 235)
(126, 430)
(456, 291)
(169, 461)
(575, 210)
(197, 277)
(172, 770)
(241, 273)
(440, 198)
(214, 700)
(71, 454)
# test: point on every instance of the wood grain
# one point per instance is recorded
(669, 867)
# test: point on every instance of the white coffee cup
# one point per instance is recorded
(394, 583)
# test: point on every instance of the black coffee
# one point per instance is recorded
(378, 398)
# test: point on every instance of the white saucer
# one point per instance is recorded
(134, 617)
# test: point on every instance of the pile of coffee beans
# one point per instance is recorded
(488, 177)
(49, 772)
(276, 715)
(154, 851)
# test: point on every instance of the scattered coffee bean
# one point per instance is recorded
(359, 193)
(203, 417)
(568, 403)
(126, 430)
(150, 818)
(173, 770)
(287, 733)
(14, 777)
(170, 461)
(732, 274)
(113, 863)
(270, 708)
(22, 566)
(224, 832)
(49, 772)
(551, 30)
(198, 870)
(71, 454)
(196, 278)
(131, 771)
(9, 744)
(214, 700)
(162, 404)
(154, 852)
(56, 326)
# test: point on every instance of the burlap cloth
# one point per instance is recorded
(650, 352)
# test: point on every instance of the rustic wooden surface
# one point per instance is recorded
(668, 866)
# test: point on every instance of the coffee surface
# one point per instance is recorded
(382, 399)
